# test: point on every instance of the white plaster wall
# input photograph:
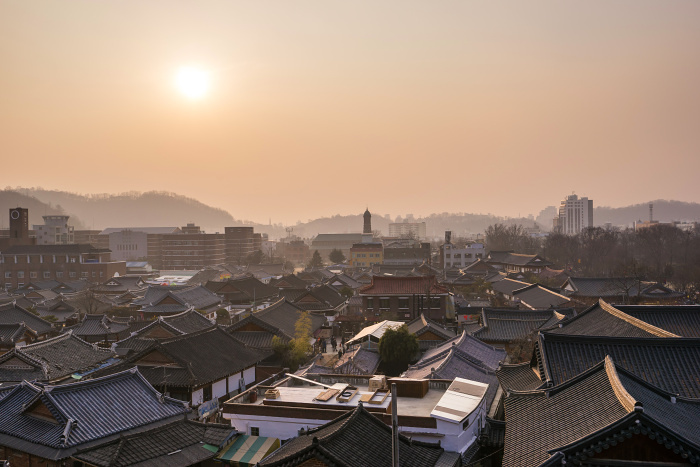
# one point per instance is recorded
(218, 389)
(197, 397)
(249, 376)
(233, 383)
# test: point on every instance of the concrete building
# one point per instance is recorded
(452, 256)
(240, 242)
(575, 214)
(407, 229)
(54, 231)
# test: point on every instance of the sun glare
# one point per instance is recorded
(192, 82)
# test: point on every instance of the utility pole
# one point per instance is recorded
(394, 428)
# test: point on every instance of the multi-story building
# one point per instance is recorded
(54, 231)
(192, 250)
(398, 254)
(453, 256)
(19, 233)
(240, 242)
(575, 215)
(21, 264)
(135, 243)
(366, 254)
(406, 298)
(407, 229)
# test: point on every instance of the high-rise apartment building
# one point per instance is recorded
(407, 229)
(575, 214)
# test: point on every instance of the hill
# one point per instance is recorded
(11, 199)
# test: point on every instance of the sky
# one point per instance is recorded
(314, 108)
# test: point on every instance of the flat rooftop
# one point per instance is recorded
(409, 406)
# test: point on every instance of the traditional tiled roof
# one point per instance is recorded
(682, 320)
(382, 285)
(244, 289)
(193, 359)
(669, 363)
(292, 294)
(11, 333)
(510, 325)
(184, 298)
(10, 313)
(539, 297)
(358, 362)
(288, 281)
(476, 350)
(81, 412)
(603, 319)
(508, 286)
(179, 443)
(62, 356)
(176, 325)
(601, 287)
(520, 377)
(516, 259)
(121, 284)
(343, 280)
(592, 413)
(356, 438)
(422, 325)
(98, 325)
(16, 366)
(38, 285)
(279, 319)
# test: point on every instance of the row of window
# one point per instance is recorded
(47, 274)
(403, 303)
(127, 247)
(364, 255)
(41, 259)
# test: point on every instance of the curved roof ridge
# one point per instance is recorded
(634, 321)
(625, 398)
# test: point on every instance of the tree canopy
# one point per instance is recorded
(336, 256)
(397, 347)
(316, 260)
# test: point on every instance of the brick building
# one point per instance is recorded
(405, 298)
(21, 264)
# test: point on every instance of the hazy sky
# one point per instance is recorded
(323, 107)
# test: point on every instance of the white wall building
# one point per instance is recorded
(403, 229)
(452, 256)
(55, 231)
(575, 214)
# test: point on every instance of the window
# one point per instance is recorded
(20, 274)
(94, 273)
(47, 275)
(254, 431)
(384, 303)
(72, 274)
(370, 301)
(59, 274)
(84, 274)
(32, 274)
(465, 424)
(8, 274)
(403, 303)
(207, 393)
(8, 285)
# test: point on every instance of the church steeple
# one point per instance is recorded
(368, 222)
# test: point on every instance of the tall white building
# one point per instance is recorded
(575, 214)
(413, 229)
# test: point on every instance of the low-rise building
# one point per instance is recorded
(405, 298)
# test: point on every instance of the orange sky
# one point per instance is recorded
(324, 107)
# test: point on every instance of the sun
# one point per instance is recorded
(192, 82)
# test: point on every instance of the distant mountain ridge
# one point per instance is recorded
(165, 209)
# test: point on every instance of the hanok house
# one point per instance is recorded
(516, 262)
(603, 416)
(179, 443)
(53, 360)
(406, 298)
(356, 438)
(100, 329)
(41, 424)
(505, 328)
(11, 313)
(429, 333)
(170, 300)
(450, 410)
(278, 320)
(143, 333)
(199, 367)
(120, 285)
(619, 290)
(15, 335)
(243, 293)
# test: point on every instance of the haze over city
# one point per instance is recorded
(408, 107)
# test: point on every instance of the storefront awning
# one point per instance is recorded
(246, 450)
